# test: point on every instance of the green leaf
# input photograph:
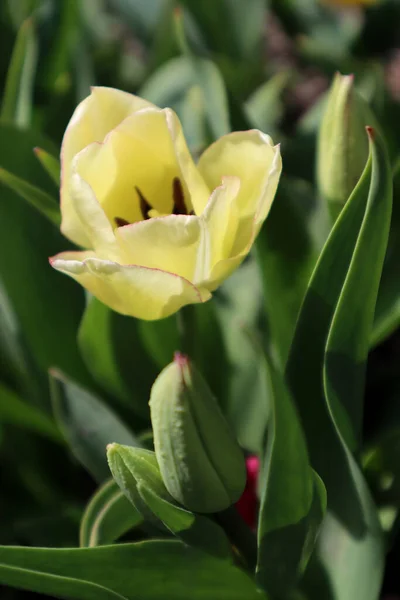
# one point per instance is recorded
(195, 530)
(232, 28)
(171, 82)
(40, 200)
(382, 464)
(111, 345)
(264, 108)
(14, 411)
(141, 15)
(239, 312)
(88, 424)
(350, 543)
(49, 163)
(387, 313)
(65, 37)
(28, 279)
(349, 336)
(293, 500)
(215, 99)
(287, 250)
(107, 516)
(17, 366)
(17, 99)
(152, 570)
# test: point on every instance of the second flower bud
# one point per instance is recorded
(200, 460)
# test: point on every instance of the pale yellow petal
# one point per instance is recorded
(250, 156)
(132, 290)
(94, 222)
(171, 243)
(235, 213)
(92, 120)
(198, 189)
(224, 268)
(136, 159)
(221, 217)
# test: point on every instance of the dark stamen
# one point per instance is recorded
(179, 198)
(120, 222)
(144, 205)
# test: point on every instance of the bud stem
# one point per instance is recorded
(240, 535)
(187, 329)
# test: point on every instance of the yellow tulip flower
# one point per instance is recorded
(160, 232)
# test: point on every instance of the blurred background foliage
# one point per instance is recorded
(222, 65)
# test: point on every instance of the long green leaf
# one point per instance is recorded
(49, 163)
(27, 278)
(17, 367)
(293, 499)
(349, 336)
(387, 313)
(287, 251)
(169, 84)
(350, 544)
(112, 347)
(14, 411)
(87, 424)
(17, 98)
(265, 106)
(40, 200)
(151, 570)
(107, 516)
(239, 312)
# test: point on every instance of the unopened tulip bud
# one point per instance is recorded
(134, 468)
(200, 460)
(343, 143)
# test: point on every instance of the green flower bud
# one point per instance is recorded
(200, 460)
(343, 143)
(133, 469)
(137, 473)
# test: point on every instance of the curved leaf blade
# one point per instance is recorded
(40, 200)
(107, 516)
(349, 336)
(88, 424)
(146, 570)
(351, 531)
(50, 163)
(294, 498)
(69, 588)
(17, 99)
(14, 411)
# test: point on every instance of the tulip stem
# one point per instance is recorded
(240, 535)
(187, 328)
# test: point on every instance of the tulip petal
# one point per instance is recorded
(96, 116)
(94, 222)
(131, 290)
(222, 218)
(197, 186)
(250, 156)
(137, 159)
(234, 216)
(172, 243)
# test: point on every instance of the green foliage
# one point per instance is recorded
(107, 517)
(293, 500)
(153, 569)
(300, 345)
(87, 423)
